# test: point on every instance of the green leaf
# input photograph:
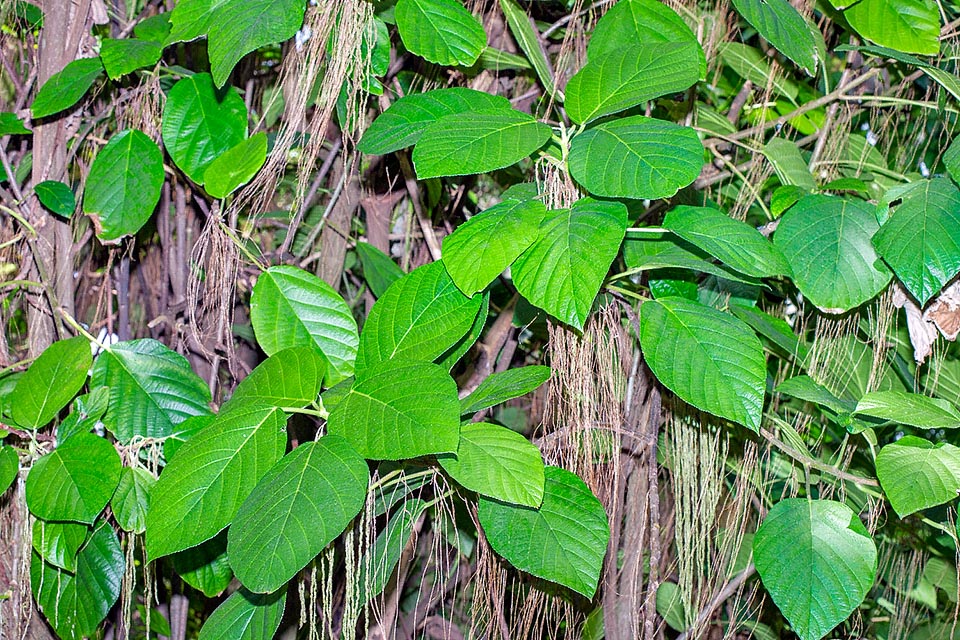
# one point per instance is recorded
(402, 124)
(562, 271)
(774, 329)
(564, 541)
(201, 489)
(246, 616)
(787, 161)
(636, 157)
(497, 463)
(667, 251)
(124, 184)
(57, 197)
(201, 122)
(292, 308)
(76, 604)
(805, 388)
(121, 57)
(299, 507)
(155, 28)
(630, 75)
(710, 359)
(670, 606)
(910, 409)
(751, 64)
(951, 159)
(816, 560)
(183, 432)
(506, 385)
(487, 140)
(59, 542)
(452, 356)
(88, 409)
(75, 481)
(236, 166)
(440, 31)
(131, 500)
(288, 378)
(66, 87)
(486, 244)
(205, 567)
(384, 555)
(735, 243)
(9, 467)
(50, 383)
(379, 270)
(525, 33)
(418, 318)
(916, 474)
(921, 241)
(789, 32)
(912, 26)
(826, 240)
(400, 410)
(152, 389)
(10, 124)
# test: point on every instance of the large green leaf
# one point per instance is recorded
(735, 243)
(236, 166)
(124, 185)
(57, 197)
(816, 560)
(9, 467)
(400, 410)
(710, 359)
(826, 241)
(201, 122)
(288, 378)
(201, 489)
(75, 481)
(75, 604)
(486, 140)
(912, 26)
(497, 463)
(123, 56)
(667, 251)
(66, 87)
(152, 389)
(921, 240)
(630, 75)
(50, 382)
(440, 31)
(418, 318)
(303, 503)
(131, 500)
(205, 567)
(245, 616)
(292, 308)
(562, 271)
(636, 157)
(506, 385)
(909, 408)
(59, 542)
(564, 541)
(782, 26)
(452, 356)
(916, 474)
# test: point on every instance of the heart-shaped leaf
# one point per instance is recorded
(440, 31)
(235, 166)
(916, 474)
(50, 382)
(123, 56)
(64, 88)
(131, 500)
(288, 378)
(912, 26)
(245, 616)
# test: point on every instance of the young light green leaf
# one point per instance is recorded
(524, 32)
(236, 166)
(9, 467)
(917, 474)
(562, 271)
(564, 541)
(400, 410)
(50, 383)
(66, 87)
(131, 500)
(74, 482)
(292, 308)
(910, 409)
(486, 244)
(245, 616)
(201, 489)
(789, 32)
(59, 542)
(289, 378)
(497, 463)
(57, 197)
(10, 124)
(487, 140)
(121, 57)
(785, 157)
(299, 506)
(124, 184)
(911, 26)
(440, 31)
(710, 359)
(636, 157)
(379, 270)
(505, 385)
(205, 567)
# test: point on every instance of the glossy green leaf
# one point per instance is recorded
(735, 243)
(288, 378)
(773, 329)
(917, 474)
(440, 31)
(921, 240)
(816, 560)
(152, 389)
(183, 432)
(453, 355)
(400, 410)
(9, 467)
(486, 244)
(418, 318)
(201, 122)
(826, 241)
(10, 124)
(487, 140)
(123, 187)
(131, 501)
(505, 385)
(636, 157)
(292, 308)
(246, 616)
(58, 543)
(66, 87)
(155, 28)
(805, 388)
(564, 541)
(912, 26)
(710, 359)
(205, 567)
(201, 489)
(789, 32)
(630, 75)
(497, 463)
(121, 57)
(50, 383)
(88, 409)
(236, 166)
(562, 271)
(788, 162)
(299, 507)
(379, 270)
(57, 197)
(910, 409)
(667, 251)
(75, 481)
